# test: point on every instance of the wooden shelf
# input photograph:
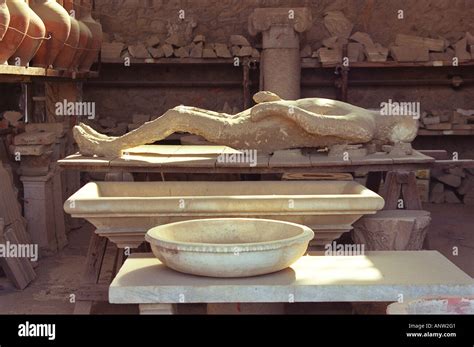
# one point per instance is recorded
(425, 132)
(307, 63)
(176, 61)
(9, 72)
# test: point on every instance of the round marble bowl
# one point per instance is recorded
(229, 247)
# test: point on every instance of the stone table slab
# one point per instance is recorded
(375, 276)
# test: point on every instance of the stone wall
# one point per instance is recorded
(135, 20)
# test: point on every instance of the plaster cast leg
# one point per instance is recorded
(197, 121)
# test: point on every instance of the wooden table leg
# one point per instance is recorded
(374, 178)
(401, 183)
(94, 260)
(161, 309)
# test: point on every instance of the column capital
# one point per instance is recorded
(262, 19)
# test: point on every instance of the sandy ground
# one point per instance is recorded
(59, 276)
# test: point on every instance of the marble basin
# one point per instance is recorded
(229, 247)
(125, 211)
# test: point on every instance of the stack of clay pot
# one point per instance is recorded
(85, 35)
(58, 26)
(19, 14)
(93, 49)
(49, 33)
(31, 43)
(4, 18)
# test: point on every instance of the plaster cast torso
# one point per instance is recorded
(273, 124)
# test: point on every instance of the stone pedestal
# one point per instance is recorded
(280, 62)
(392, 230)
(43, 211)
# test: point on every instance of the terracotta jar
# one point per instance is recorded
(4, 18)
(57, 22)
(31, 43)
(96, 30)
(66, 55)
(85, 35)
(19, 22)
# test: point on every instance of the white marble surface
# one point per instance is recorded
(376, 276)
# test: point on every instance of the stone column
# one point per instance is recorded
(280, 62)
(392, 230)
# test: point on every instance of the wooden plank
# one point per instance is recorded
(416, 157)
(317, 176)
(435, 153)
(10, 209)
(411, 196)
(465, 163)
(391, 191)
(84, 161)
(94, 259)
(291, 158)
(373, 159)
(93, 292)
(322, 160)
(59, 215)
(18, 270)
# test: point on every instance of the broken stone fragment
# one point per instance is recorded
(355, 52)
(378, 53)
(181, 52)
(139, 51)
(234, 50)
(35, 138)
(176, 40)
(363, 38)
(460, 50)
(431, 120)
(222, 51)
(34, 150)
(199, 38)
(330, 42)
(208, 53)
(238, 40)
(167, 50)
(337, 24)
(410, 53)
(330, 56)
(153, 41)
(196, 51)
(435, 45)
(156, 52)
(13, 117)
(245, 51)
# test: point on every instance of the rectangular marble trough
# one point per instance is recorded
(124, 211)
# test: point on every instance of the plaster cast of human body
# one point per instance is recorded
(272, 124)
